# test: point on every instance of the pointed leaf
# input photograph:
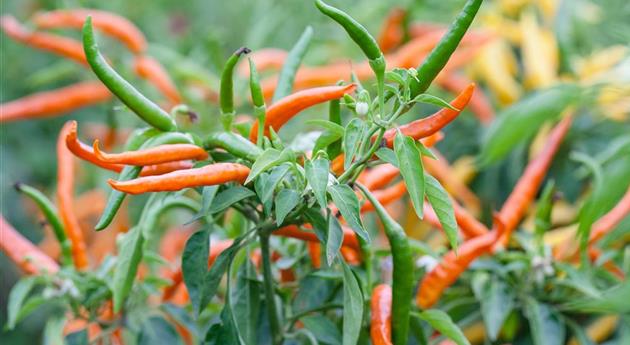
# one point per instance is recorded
(195, 266)
(346, 200)
(317, 176)
(443, 323)
(352, 307)
(411, 169)
(355, 130)
(334, 239)
(441, 203)
(285, 202)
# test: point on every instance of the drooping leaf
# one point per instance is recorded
(17, 296)
(434, 100)
(267, 160)
(346, 200)
(352, 307)
(612, 301)
(410, 164)
(443, 323)
(496, 299)
(130, 254)
(324, 330)
(317, 176)
(334, 239)
(195, 266)
(156, 330)
(546, 327)
(218, 269)
(387, 155)
(245, 297)
(286, 200)
(355, 130)
(441, 203)
(229, 197)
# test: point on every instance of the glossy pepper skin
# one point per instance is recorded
(208, 175)
(226, 93)
(54, 102)
(429, 125)
(154, 155)
(381, 315)
(234, 144)
(23, 252)
(282, 111)
(137, 102)
(402, 285)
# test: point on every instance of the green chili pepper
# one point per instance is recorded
(226, 93)
(52, 216)
(364, 40)
(260, 109)
(131, 172)
(234, 144)
(439, 56)
(402, 286)
(132, 98)
(291, 65)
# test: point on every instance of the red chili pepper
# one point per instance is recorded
(527, 186)
(150, 69)
(23, 252)
(110, 23)
(381, 315)
(315, 252)
(611, 219)
(65, 197)
(55, 102)
(479, 104)
(392, 32)
(282, 111)
(208, 175)
(429, 125)
(62, 46)
(153, 155)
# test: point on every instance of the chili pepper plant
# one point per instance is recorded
(358, 233)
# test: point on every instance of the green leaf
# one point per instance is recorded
(387, 155)
(129, 256)
(425, 151)
(245, 298)
(411, 170)
(317, 176)
(346, 200)
(272, 181)
(523, 120)
(156, 330)
(195, 266)
(77, 338)
(207, 197)
(213, 277)
(355, 131)
(440, 321)
(612, 301)
(285, 202)
(328, 125)
(17, 296)
(326, 139)
(334, 239)
(545, 326)
(53, 332)
(30, 305)
(324, 330)
(352, 307)
(267, 160)
(441, 203)
(291, 65)
(496, 299)
(229, 197)
(434, 100)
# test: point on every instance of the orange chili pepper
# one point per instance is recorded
(381, 315)
(386, 196)
(208, 175)
(611, 219)
(392, 32)
(153, 155)
(351, 255)
(109, 23)
(469, 225)
(479, 103)
(55, 102)
(379, 176)
(293, 231)
(282, 111)
(150, 69)
(315, 252)
(23, 252)
(594, 254)
(453, 264)
(526, 187)
(265, 60)
(164, 168)
(62, 46)
(421, 29)
(65, 196)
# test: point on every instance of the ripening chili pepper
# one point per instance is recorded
(208, 175)
(293, 231)
(59, 45)
(111, 24)
(265, 60)
(393, 31)
(440, 55)
(23, 252)
(479, 104)
(54, 102)
(153, 155)
(150, 69)
(226, 93)
(381, 315)
(429, 125)
(282, 111)
(132, 98)
(528, 184)
(453, 264)
(351, 255)
(52, 217)
(164, 168)
(402, 282)
(364, 40)
(315, 252)
(65, 197)
(611, 219)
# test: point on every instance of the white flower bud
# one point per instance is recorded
(362, 108)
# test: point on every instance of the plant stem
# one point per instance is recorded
(274, 322)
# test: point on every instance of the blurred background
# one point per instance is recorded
(582, 40)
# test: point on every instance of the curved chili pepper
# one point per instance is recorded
(381, 315)
(150, 69)
(234, 144)
(153, 155)
(611, 219)
(440, 55)
(138, 103)
(111, 24)
(55, 102)
(392, 32)
(23, 252)
(59, 45)
(454, 263)
(479, 104)
(164, 168)
(52, 217)
(429, 125)
(65, 196)
(208, 175)
(226, 93)
(527, 186)
(265, 60)
(402, 285)
(282, 111)
(293, 231)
